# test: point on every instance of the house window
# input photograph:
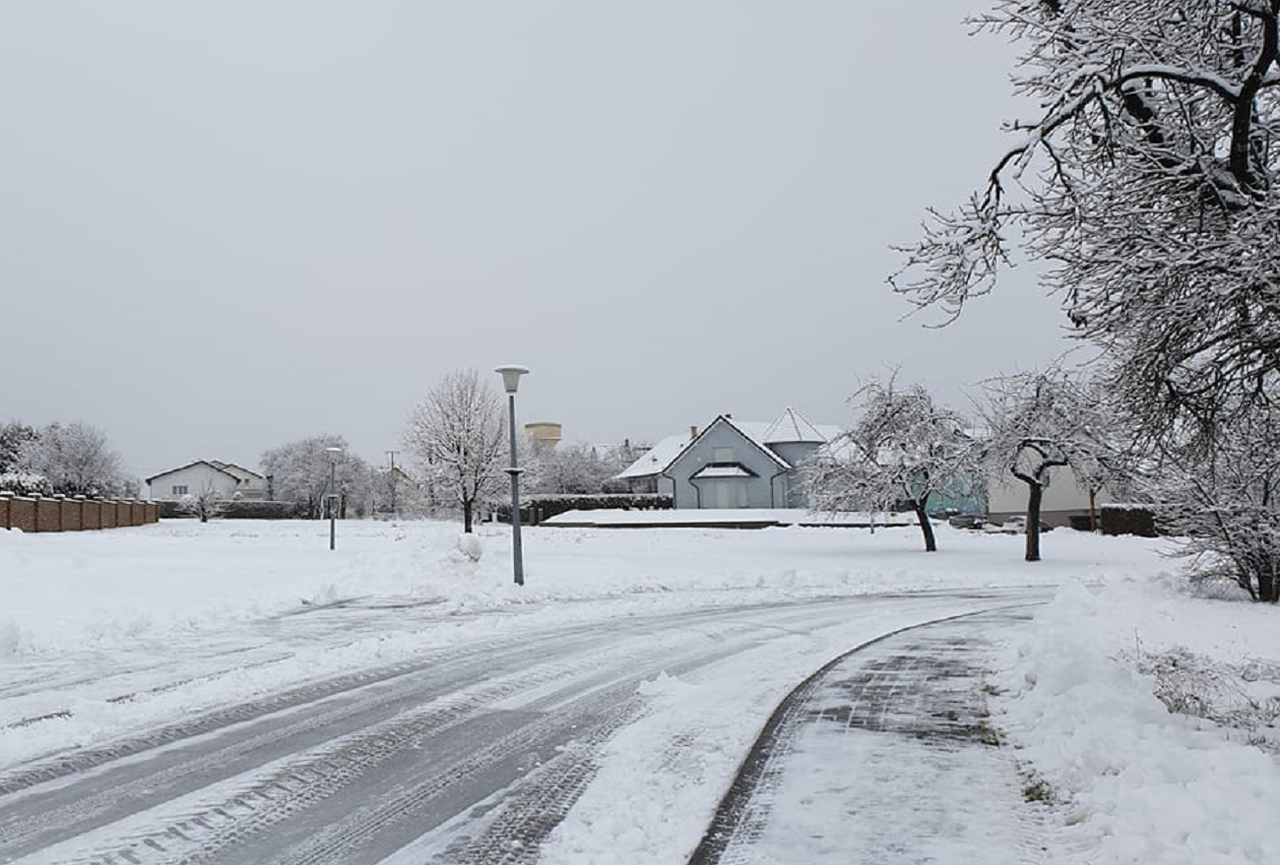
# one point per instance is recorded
(180, 490)
(722, 455)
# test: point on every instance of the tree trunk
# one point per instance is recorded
(1266, 587)
(466, 517)
(1033, 522)
(926, 527)
(1093, 510)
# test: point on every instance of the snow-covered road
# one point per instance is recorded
(235, 691)
(487, 749)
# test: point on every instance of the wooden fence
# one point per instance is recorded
(62, 514)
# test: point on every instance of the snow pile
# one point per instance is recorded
(1130, 781)
(469, 545)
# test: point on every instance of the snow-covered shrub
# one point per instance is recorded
(1244, 697)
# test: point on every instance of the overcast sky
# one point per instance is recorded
(225, 226)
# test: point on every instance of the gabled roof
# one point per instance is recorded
(752, 437)
(208, 463)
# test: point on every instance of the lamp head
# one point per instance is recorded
(511, 376)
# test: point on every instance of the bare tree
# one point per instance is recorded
(1040, 421)
(456, 434)
(1146, 181)
(903, 449)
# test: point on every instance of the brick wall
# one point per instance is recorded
(48, 515)
(92, 514)
(58, 514)
(72, 514)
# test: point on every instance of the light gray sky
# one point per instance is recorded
(225, 226)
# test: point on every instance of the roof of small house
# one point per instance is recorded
(239, 471)
(210, 463)
(657, 458)
(792, 427)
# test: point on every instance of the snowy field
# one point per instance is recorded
(89, 618)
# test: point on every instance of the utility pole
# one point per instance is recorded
(392, 455)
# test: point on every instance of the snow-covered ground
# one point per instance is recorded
(726, 516)
(87, 617)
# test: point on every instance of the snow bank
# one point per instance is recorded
(1131, 781)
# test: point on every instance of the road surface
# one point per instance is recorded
(472, 753)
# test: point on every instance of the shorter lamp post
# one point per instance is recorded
(334, 453)
(510, 383)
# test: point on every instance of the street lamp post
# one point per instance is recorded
(510, 382)
(334, 453)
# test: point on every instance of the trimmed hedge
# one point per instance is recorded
(1128, 520)
(241, 510)
(539, 508)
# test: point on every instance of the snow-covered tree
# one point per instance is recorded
(14, 436)
(1146, 182)
(1039, 421)
(456, 435)
(570, 469)
(299, 473)
(904, 448)
(207, 503)
(1223, 503)
(76, 460)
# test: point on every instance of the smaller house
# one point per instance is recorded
(1064, 499)
(227, 479)
(731, 464)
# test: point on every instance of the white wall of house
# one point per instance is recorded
(190, 480)
(1007, 496)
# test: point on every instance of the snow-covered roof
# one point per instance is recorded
(657, 458)
(725, 471)
(792, 427)
(240, 472)
(211, 464)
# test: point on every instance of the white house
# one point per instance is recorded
(228, 479)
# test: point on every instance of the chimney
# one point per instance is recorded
(693, 433)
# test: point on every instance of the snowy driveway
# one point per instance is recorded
(594, 741)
